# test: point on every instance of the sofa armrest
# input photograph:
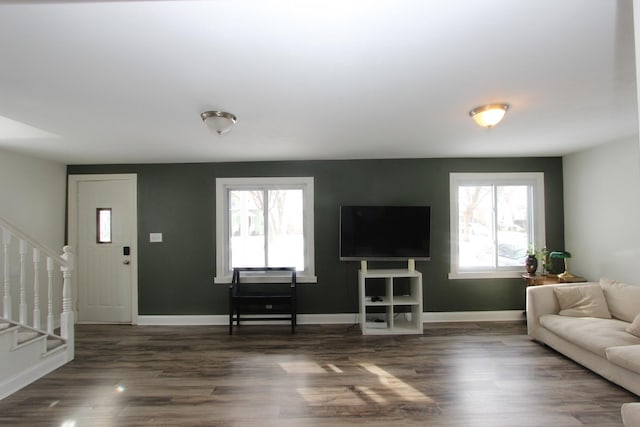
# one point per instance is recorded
(542, 300)
(631, 414)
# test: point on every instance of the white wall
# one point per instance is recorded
(602, 211)
(32, 196)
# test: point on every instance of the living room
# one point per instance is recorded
(592, 204)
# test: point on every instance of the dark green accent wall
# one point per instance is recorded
(176, 276)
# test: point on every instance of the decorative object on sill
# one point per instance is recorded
(565, 256)
(531, 261)
(219, 122)
(532, 264)
(489, 115)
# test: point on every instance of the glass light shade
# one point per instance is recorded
(489, 115)
(565, 256)
(218, 121)
(560, 254)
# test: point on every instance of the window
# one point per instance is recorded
(264, 222)
(494, 219)
(103, 217)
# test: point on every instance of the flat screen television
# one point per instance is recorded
(384, 233)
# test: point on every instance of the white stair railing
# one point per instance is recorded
(27, 299)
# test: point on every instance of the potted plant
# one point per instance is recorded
(543, 255)
(531, 262)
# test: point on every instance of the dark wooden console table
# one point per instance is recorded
(272, 294)
(549, 279)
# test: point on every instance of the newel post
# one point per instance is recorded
(50, 268)
(66, 318)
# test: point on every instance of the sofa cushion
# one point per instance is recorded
(627, 356)
(631, 414)
(591, 333)
(634, 328)
(582, 301)
(623, 300)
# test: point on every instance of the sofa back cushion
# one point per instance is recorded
(582, 301)
(623, 300)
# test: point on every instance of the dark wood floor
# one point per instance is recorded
(462, 374)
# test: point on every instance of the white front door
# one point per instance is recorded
(102, 229)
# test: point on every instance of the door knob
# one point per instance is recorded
(125, 262)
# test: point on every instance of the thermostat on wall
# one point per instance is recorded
(155, 237)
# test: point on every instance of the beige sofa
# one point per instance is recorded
(595, 324)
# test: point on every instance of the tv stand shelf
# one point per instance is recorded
(390, 301)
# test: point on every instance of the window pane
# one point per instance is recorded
(513, 224)
(285, 222)
(475, 225)
(103, 225)
(246, 217)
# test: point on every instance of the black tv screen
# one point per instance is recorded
(384, 233)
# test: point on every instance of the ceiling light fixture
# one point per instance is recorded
(489, 115)
(218, 121)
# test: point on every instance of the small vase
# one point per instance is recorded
(532, 264)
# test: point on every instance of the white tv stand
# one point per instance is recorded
(390, 301)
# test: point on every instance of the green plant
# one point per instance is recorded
(544, 259)
(541, 255)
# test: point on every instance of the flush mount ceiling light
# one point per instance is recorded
(218, 121)
(489, 115)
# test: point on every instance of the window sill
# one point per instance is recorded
(486, 275)
(270, 279)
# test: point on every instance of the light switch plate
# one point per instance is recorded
(155, 237)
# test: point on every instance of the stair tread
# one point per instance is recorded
(53, 343)
(26, 335)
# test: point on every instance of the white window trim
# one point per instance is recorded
(535, 179)
(224, 185)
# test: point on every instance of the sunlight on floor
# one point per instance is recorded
(371, 394)
(335, 396)
(391, 389)
(302, 368)
(404, 390)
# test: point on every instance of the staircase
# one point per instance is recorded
(33, 341)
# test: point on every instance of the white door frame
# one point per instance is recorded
(72, 227)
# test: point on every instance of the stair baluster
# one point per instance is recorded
(6, 240)
(50, 295)
(23, 282)
(36, 288)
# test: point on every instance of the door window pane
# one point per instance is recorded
(103, 227)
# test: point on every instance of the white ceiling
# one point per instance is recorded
(126, 81)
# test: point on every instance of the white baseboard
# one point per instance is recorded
(338, 318)
(473, 316)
